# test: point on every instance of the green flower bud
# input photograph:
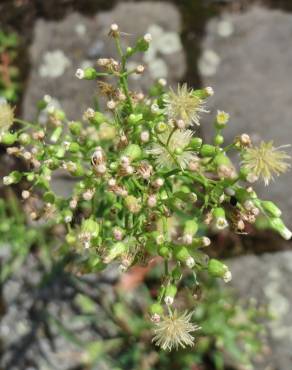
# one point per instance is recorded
(90, 73)
(219, 139)
(176, 273)
(208, 150)
(56, 134)
(196, 143)
(271, 208)
(135, 118)
(74, 147)
(59, 115)
(203, 93)
(133, 151)
(221, 159)
(67, 215)
(98, 118)
(219, 215)
(191, 227)
(13, 178)
(71, 239)
(114, 165)
(60, 152)
(75, 127)
(49, 197)
(142, 45)
(170, 293)
(182, 254)
(116, 250)
(278, 225)
(217, 268)
(30, 177)
(24, 139)
(8, 138)
(164, 252)
(90, 226)
(156, 308)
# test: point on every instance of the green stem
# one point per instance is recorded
(170, 135)
(123, 75)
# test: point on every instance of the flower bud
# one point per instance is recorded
(190, 229)
(13, 178)
(24, 139)
(25, 194)
(278, 225)
(217, 268)
(208, 150)
(56, 134)
(142, 44)
(135, 118)
(170, 293)
(218, 140)
(90, 226)
(220, 219)
(145, 136)
(271, 208)
(90, 73)
(164, 252)
(133, 152)
(7, 138)
(75, 127)
(158, 183)
(156, 308)
(140, 69)
(183, 255)
(196, 143)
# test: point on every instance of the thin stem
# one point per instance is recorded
(166, 267)
(170, 135)
(123, 75)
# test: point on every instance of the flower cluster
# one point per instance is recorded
(145, 185)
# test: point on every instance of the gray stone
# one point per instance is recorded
(60, 47)
(247, 59)
(268, 279)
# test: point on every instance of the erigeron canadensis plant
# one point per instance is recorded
(146, 184)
